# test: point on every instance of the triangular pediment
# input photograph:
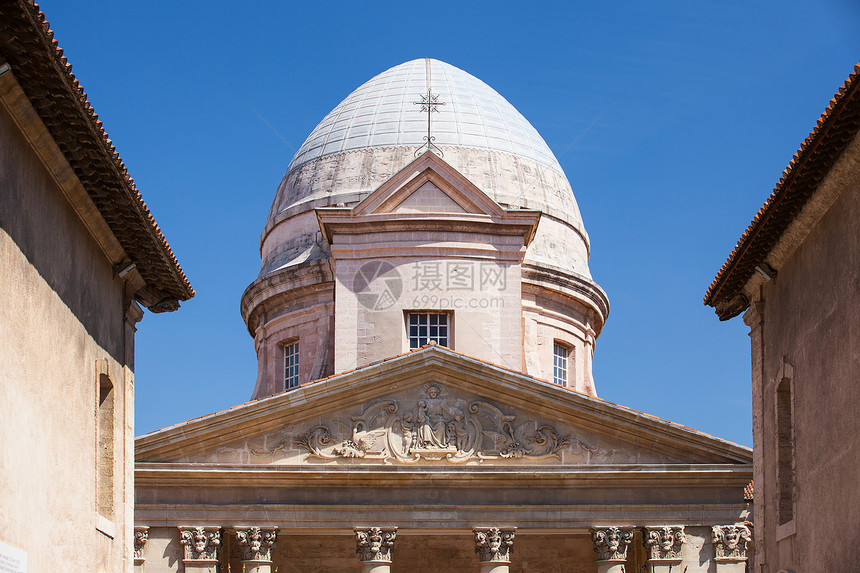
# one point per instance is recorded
(447, 188)
(428, 194)
(434, 407)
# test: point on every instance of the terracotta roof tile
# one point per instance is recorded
(37, 62)
(819, 152)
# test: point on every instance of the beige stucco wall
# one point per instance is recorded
(811, 314)
(61, 325)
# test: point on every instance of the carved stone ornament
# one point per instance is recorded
(141, 535)
(256, 544)
(664, 542)
(434, 428)
(201, 543)
(375, 543)
(610, 543)
(730, 541)
(494, 545)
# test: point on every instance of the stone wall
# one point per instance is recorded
(61, 331)
(811, 315)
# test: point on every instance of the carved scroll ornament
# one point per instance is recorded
(664, 542)
(730, 541)
(256, 544)
(141, 535)
(375, 543)
(435, 428)
(610, 543)
(201, 543)
(494, 545)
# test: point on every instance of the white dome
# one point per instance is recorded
(382, 113)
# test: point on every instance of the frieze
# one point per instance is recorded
(493, 544)
(664, 543)
(730, 541)
(433, 428)
(610, 543)
(375, 543)
(256, 544)
(201, 543)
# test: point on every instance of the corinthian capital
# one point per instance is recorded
(375, 543)
(730, 541)
(201, 543)
(664, 542)
(494, 545)
(256, 544)
(141, 534)
(611, 542)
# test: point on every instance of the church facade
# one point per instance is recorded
(425, 321)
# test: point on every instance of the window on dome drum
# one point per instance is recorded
(291, 365)
(426, 327)
(560, 355)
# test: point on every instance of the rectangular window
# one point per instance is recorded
(426, 327)
(560, 355)
(785, 451)
(291, 365)
(105, 440)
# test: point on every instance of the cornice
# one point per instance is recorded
(445, 366)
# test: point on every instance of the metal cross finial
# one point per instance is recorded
(429, 103)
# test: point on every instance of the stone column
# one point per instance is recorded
(730, 547)
(141, 534)
(494, 547)
(375, 545)
(664, 548)
(201, 548)
(257, 546)
(610, 544)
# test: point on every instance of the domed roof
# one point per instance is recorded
(378, 130)
(382, 113)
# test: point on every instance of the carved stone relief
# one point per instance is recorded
(434, 428)
(730, 541)
(141, 535)
(375, 543)
(494, 545)
(664, 542)
(256, 544)
(610, 543)
(201, 543)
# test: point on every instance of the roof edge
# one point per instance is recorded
(36, 61)
(809, 166)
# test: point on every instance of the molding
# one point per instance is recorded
(434, 363)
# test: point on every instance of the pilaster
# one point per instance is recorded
(375, 545)
(610, 544)
(730, 547)
(663, 545)
(754, 318)
(201, 547)
(494, 547)
(257, 546)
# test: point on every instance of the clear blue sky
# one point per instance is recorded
(672, 120)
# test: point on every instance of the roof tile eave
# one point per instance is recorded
(772, 218)
(37, 62)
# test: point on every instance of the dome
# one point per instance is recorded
(378, 130)
(383, 113)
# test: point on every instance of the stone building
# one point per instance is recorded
(796, 273)
(79, 255)
(425, 321)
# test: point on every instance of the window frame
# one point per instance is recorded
(565, 368)
(448, 326)
(291, 379)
